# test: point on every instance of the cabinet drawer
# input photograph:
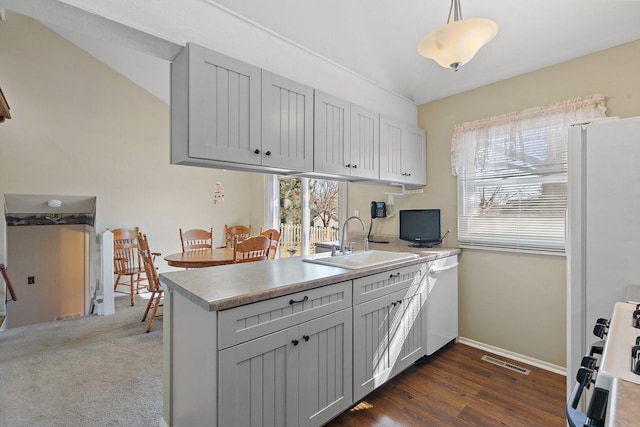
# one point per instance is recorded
(244, 323)
(374, 286)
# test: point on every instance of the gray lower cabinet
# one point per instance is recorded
(388, 331)
(300, 376)
(303, 358)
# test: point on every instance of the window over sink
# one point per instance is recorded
(308, 210)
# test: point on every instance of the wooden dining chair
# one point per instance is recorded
(196, 239)
(127, 261)
(254, 248)
(235, 232)
(274, 237)
(153, 284)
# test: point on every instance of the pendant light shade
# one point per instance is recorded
(456, 42)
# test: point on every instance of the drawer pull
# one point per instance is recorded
(292, 301)
(256, 151)
(294, 342)
(391, 276)
(305, 337)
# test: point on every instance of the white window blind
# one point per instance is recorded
(512, 175)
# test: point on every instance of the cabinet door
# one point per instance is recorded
(287, 123)
(325, 364)
(365, 143)
(332, 132)
(406, 333)
(371, 363)
(391, 150)
(414, 156)
(256, 379)
(224, 107)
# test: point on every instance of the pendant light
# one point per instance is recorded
(456, 42)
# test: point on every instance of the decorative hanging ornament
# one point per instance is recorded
(218, 195)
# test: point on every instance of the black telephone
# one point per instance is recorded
(378, 210)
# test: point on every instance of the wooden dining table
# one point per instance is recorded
(201, 258)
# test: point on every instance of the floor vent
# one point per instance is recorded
(504, 364)
(67, 316)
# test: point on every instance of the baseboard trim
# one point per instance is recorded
(515, 356)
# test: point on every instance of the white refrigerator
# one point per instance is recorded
(603, 227)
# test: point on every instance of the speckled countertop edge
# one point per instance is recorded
(228, 286)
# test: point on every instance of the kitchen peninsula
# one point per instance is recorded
(288, 342)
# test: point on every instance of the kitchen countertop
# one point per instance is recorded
(227, 286)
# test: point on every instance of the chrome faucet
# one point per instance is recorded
(343, 247)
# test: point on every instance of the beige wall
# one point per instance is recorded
(512, 301)
(55, 256)
(79, 128)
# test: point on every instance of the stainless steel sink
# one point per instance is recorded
(362, 259)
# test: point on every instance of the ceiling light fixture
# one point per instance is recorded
(456, 42)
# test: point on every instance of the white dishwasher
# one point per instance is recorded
(442, 303)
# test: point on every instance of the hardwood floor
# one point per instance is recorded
(455, 387)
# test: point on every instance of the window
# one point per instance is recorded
(309, 210)
(512, 175)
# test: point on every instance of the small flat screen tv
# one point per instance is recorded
(421, 227)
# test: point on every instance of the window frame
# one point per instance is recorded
(527, 177)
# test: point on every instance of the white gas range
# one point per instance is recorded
(619, 367)
(620, 355)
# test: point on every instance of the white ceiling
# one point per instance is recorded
(378, 39)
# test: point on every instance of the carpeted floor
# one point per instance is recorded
(91, 371)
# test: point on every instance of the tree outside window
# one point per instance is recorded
(322, 208)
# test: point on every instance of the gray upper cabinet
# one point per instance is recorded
(346, 138)
(215, 108)
(229, 114)
(390, 150)
(365, 143)
(287, 123)
(402, 153)
(332, 132)
(414, 155)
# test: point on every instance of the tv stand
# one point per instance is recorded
(422, 245)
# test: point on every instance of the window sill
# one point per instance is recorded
(548, 252)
